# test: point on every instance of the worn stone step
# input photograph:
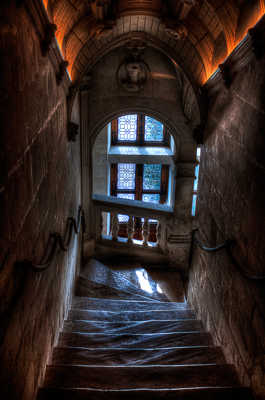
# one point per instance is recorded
(86, 287)
(206, 393)
(103, 315)
(125, 305)
(133, 327)
(140, 377)
(95, 340)
(136, 356)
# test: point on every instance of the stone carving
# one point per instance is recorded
(177, 30)
(102, 9)
(178, 9)
(174, 13)
(102, 18)
(132, 74)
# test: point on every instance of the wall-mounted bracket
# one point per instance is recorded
(72, 131)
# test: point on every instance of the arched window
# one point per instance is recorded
(144, 139)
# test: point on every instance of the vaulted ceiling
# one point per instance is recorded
(197, 34)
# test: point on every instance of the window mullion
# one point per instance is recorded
(164, 183)
(113, 179)
(114, 131)
(140, 130)
(139, 182)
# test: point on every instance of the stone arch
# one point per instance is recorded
(93, 49)
(151, 42)
(147, 111)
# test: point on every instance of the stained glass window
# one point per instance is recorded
(130, 196)
(127, 128)
(151, 198)
(126, 176)
(153, 130)
(152, 176)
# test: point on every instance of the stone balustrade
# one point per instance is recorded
(133, 223)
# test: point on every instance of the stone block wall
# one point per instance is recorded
(39, 189)
(231, 205)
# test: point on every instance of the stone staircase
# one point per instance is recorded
(119, 349)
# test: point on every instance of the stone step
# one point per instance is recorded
(125, 305)
(133, 327)
(136, 356)
(206, 393)
(86, 287)
(140, 377)
(104, 315)
(119, 280)
(96, 340)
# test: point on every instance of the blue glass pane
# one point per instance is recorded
(126, 176)
(153, 130)
(198, 154)
(152, 176)
(151, 198)
(130, 196)
(127, 128)
(194, 201)
(195, 186)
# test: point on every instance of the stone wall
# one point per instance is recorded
(231, 205)
(39, 189)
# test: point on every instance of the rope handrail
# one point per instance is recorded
(57, 241)
(227, 245)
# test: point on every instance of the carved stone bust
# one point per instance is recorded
(132, 74)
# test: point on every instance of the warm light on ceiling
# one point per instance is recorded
(254, 21)
(45, 2)
(210, 69)
(59, 39)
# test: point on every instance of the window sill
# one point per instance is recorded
(119, 203)
(140, 151)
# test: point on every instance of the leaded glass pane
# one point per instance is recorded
(130, 196)
(198, 154)
(151, 198)
(127, 128)
(126, 176)
(153, 130)
(152, 176)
